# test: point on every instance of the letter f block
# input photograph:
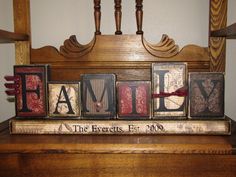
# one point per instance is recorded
(31, 95)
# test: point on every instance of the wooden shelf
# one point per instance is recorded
(114, 155)
(10, 37)
(229, 32)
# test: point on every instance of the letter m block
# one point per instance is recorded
(98, 96)
(31, 92)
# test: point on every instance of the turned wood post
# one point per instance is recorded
(97, 16)
(118, 16)
(139, 16)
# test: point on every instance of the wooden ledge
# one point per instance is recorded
(114, 144)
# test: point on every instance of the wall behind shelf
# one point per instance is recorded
(230, 96)
(7, 59)
(185, 22)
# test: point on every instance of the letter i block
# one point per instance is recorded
(206, 95)
(134, 99)
(169, 90)
(64, 99)
(31, 94)
(98, 96)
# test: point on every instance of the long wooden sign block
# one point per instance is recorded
(217, 127)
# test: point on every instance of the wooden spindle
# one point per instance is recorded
(97, 16)
(118, 15)
(139, 16)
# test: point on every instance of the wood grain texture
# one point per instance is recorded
(9, 37)
(122, 48)
(229, 32)
(73, 49)
(116, 165)
(166, 48)
(120, 54)
(217, 45)
(22, 25)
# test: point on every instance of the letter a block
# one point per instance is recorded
(134, 99)
(169, 90)
(31, 93)
(64, 99)
(98, 96)
(206, 95)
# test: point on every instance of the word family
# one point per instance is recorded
(171, 93)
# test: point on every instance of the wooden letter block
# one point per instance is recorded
(134, 99)
(206, 95)
(169, 90)
(31, 95)
(98, 96)
(64, 99)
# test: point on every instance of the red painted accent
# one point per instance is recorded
(181, 92)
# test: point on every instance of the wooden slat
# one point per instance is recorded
(229, 32)
(10, 37)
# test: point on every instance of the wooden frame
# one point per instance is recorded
(72, 54)
(118, 155)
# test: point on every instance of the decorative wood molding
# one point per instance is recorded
(97, 16)
(118, 16)
(120, 48)
(139, 16)
(73, 49)
(165, 48)
(217, 45)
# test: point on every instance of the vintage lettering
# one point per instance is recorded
(206, 95)
(98, 98)
(31, 95)
(134, 99)
(64, 99)
(167, 80)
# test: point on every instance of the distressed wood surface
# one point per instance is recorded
(116, 144)
(22, 25)
(118, 127)
(217, 45)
